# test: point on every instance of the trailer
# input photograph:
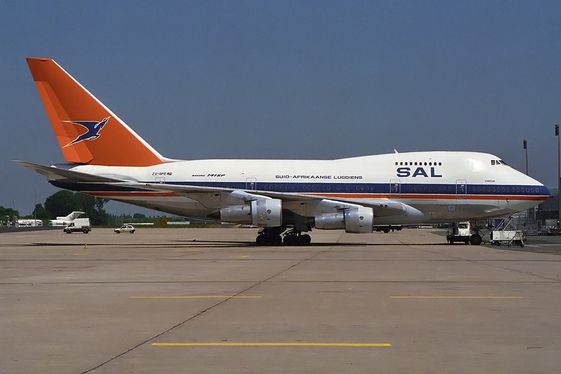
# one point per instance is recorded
(508, 237)
(507, 233)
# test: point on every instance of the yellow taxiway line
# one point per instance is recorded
(272, 344)
(456, 297)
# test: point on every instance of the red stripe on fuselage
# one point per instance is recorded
(108, 194)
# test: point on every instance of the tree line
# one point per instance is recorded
(62, 203)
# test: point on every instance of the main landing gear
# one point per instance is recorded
(278, 236)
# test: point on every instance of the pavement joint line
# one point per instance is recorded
(272, 344)
(199, 314)
(196, 297)
(486, 263)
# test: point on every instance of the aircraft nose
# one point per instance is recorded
(545, 191)
(542, 191)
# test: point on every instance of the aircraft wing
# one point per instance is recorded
(54, 173)
(382, 207)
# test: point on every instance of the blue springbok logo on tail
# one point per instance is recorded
(93, 128)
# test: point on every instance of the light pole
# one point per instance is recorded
(525, 145)
(35, 208)
(529, 215)
(558, 177)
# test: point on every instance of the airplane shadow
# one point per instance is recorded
(225, 244)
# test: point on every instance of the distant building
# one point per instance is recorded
(549, 209)
(30, 222)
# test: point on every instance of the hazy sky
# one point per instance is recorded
(289, 79)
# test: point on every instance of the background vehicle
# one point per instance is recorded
(387, 229)
(125, 228)
(78, 224)
(464, 232)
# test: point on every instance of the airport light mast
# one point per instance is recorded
(529, 212)
(525, 145)
(35, 208)
(558, 177)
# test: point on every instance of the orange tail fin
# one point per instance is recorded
(87, 131)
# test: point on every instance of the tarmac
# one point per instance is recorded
(191, 300)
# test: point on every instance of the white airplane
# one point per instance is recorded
(285, 198)
(64, 221)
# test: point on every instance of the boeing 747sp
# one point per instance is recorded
(285, 198)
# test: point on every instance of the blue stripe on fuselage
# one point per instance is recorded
(338, 188)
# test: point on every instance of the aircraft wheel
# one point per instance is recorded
(304, 239)
(276, 240)
(261, 239)
(290, 239)
(475, 239)
(271, 239)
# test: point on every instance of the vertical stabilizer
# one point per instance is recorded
(87, 131)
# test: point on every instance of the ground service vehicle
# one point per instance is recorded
(79, 224)
(507, 233)
(462, 232)
(125, 228)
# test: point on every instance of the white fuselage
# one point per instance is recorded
(444, 186)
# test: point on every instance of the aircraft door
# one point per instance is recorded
(461, 189)
(251, 184)
(161, 180)
(395, 187)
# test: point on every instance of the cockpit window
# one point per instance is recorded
(498, 162)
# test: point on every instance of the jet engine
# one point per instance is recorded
(357, 220)
(263, 213)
